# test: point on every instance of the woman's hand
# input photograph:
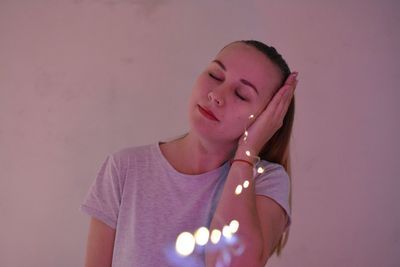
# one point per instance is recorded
(264, 126)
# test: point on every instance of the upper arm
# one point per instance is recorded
(273, 220)
(100, 244)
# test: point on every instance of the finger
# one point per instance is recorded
(289, 85)
(286, 92)
(295, 86)
(292, 82)
(284, 95)
(284, 104)
(292, 78)
(280, 109)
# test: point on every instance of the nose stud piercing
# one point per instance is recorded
(212, 97)
(209, 96)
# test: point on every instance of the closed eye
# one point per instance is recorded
(241, 97)
(236, 92)
(215, 78)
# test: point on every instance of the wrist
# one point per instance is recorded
(247, 155)
(243, 161)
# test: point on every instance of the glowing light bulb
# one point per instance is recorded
(260, 170)
(238, 189)
(226, 232)
(246, 184)
(185, 244)
(201, 236)
(215, 236)
(233, 226)
(246, 133)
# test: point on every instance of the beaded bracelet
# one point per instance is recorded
(242, 160)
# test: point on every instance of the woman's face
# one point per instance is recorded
(239, 82)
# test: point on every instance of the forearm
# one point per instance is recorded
(241, 207)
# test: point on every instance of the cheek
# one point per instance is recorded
(196, 93)
(200, 88)
(260, 107)
(243, 120)
(238, 124)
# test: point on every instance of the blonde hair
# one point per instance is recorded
(277, 150)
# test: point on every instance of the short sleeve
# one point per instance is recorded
(103, 198)
(274, 183)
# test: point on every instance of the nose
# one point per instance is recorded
(212, 96)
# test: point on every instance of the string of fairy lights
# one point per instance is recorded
(186, 242)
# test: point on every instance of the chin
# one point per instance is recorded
(200, 128)
(207, 132)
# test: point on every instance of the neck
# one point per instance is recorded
(193, 155)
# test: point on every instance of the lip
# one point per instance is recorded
(207, 113)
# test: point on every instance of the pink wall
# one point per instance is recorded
(79, 79)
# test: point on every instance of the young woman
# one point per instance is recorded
(217, 196)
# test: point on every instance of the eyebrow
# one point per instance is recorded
(246, 82)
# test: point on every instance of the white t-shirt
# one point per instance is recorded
(149, 203)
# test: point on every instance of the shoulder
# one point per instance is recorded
(129, 153)
(121, 160)
(269, 165)
(272, 180)
(275, 183)
(272, 171)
